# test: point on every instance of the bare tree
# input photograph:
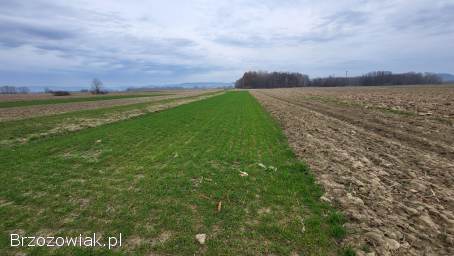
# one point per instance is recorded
(96, 86)
(8, 89)
(23, 90)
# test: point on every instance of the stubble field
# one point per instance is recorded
(28, 106)
(385, 157)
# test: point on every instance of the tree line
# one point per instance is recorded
(13, 89)
(253, 79)
(96, 88)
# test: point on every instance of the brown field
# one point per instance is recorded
(16, 113)
(385, 156)
(422, 100)
(47, 96)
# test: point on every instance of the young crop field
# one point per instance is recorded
(219, 167)
(385, 157)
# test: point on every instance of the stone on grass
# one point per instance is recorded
(201, 238)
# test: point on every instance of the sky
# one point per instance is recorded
(66, 44)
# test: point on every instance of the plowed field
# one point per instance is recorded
(385, 157)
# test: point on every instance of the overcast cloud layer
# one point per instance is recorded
(67, 43)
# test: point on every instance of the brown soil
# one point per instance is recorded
(15, 113)
(422, 100)
(391, 174)
(48, 96)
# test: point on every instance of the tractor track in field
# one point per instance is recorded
(391, 174)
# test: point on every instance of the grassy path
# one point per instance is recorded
(158, 179)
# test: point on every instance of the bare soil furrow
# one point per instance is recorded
(387, 126)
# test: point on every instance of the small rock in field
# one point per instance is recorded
(98, 141)
(262, 165)
(272, 168)
(243, 174)
(201, 238)
(392, 244)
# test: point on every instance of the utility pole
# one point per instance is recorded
(346, 78)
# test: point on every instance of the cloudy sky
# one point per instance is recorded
(134, 43)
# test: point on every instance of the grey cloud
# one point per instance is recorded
(178, 68)
(89, 47)
(121, 41)
(251, 41)
(431, 20)
(344, 18)
(31, 30)
(17, 33)
(320, 37)
(333, 27)
(256, 41)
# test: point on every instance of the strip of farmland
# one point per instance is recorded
(391, 172)
(218, 167)
(23, 112)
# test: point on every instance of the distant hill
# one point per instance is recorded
(196, 85)
(112, 88)
(446, 77)
(201, 85)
